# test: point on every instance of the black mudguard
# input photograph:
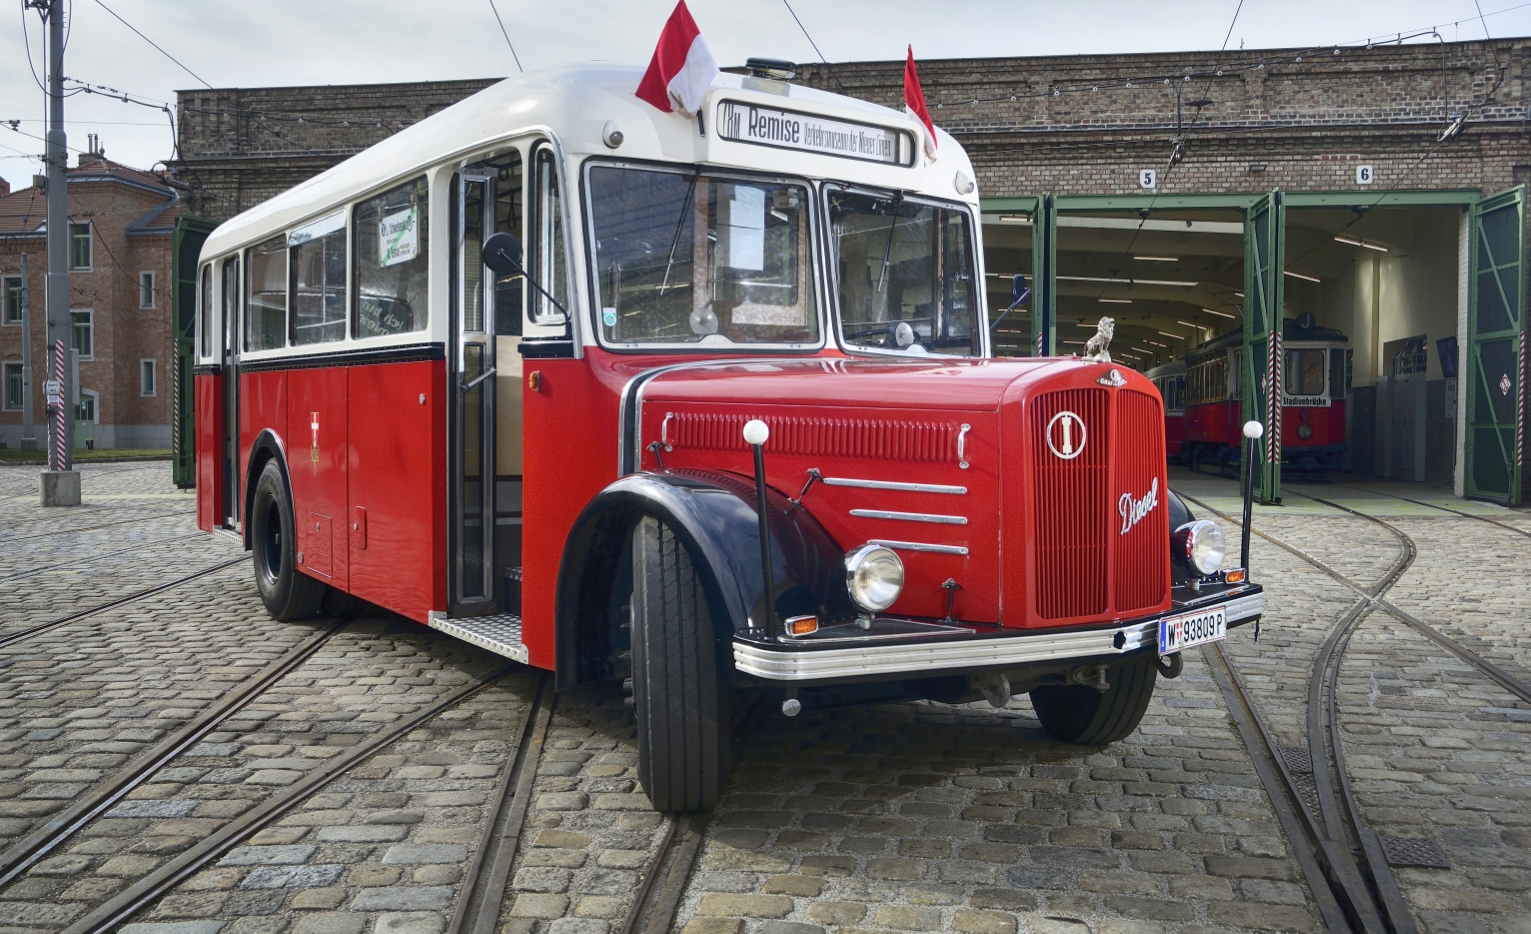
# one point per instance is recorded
(713, 513)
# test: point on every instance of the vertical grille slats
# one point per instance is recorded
(1069, 511)
(1142, 554)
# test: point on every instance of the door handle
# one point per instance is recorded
(481, 377)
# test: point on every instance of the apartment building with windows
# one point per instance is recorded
(120, 225)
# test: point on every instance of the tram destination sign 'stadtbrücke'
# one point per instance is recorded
(787, 129)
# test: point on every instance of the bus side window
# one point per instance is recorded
(548, 258)
(318, 286)
(266, 295)
(508, 201)
(391, 259)
(205, 316)
(230, 304)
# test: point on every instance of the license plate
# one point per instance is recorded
(1182, 632)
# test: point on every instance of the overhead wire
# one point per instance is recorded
(506, 34)
(153, 43)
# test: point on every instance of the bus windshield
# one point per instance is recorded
(685, 257)
(906, 273)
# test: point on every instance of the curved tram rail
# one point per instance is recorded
(1360, 891)
(25, 634)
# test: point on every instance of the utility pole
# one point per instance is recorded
(60, 483)
(28, 432)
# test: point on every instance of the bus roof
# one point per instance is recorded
(575, 103)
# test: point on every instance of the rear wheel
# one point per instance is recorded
(1084, 716)
(678, 694)
(287, 593)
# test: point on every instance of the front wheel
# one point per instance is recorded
(1084, 716)
(678, 695)
(287, 593)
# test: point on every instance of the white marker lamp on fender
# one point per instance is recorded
(1252, 432)
(756, 433)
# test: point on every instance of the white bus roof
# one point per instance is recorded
(575, 103)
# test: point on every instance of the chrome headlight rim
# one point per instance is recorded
(874, 577)
(1202, 545)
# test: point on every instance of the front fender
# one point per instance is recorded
(713, 514)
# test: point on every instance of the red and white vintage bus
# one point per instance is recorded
(552, 465)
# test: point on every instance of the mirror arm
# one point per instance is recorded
(1002, 314)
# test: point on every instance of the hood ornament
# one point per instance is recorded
(1096, 349)
(1114, 379)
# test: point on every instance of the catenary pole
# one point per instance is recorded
(58, 228)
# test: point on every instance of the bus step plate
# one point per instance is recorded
(499, 634)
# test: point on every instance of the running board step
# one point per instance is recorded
(499, 634)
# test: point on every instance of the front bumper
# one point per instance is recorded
(914, 649)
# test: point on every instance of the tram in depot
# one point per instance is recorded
(1316, 383)
(1170, 379)
(546, 369)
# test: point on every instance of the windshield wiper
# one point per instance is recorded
(680, 221)
(887, 250)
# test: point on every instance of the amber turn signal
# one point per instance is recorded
(802, 625)
(1235, 575)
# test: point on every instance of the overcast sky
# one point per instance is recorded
(290, 42)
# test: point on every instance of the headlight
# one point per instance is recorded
(1304, 431)
(874, 576)
(1201, 544)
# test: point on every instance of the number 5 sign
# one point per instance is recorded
(1148, 178)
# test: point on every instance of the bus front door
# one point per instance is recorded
(230, 371)
(471, 371)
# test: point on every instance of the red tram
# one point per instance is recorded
(762, 328)
(1170, 378)
(1316, 371)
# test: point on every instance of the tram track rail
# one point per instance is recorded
(1337, 840)
(94, 528)
(1419, 502)
(162, 880)
(33, 631)
(27, 851)
(140, 546)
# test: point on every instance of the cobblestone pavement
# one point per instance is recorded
(910, 817)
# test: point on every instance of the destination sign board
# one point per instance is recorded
(804, 132)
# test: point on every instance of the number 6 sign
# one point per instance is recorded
(1364, 175)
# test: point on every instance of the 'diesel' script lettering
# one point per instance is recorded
(1133, 510)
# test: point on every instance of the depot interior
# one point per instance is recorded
(1391, 279)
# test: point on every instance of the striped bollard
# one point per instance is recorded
(60, 413)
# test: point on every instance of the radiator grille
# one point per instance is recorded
(825, 437)
(1070, 515)
(1141, 560)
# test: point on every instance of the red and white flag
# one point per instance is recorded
(914, 102)
(682, 67)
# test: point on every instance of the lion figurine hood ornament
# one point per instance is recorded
(1097, 349)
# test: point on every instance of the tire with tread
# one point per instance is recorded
(1086, 717)
(287, 593)
(679, 695)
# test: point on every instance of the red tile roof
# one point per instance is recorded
(23, 211)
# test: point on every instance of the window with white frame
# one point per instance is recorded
(87, 411)
(82, 333)
(10, 294)
(146, 290)
(146, 377)
(79, 246)
(14, 382)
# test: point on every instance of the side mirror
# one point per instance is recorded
(502, 253)
(1018, 289)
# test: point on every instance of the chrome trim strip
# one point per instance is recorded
(778, 665)
(918, 546)
(895, 485)
(909, 516)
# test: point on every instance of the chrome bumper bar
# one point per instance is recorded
(807, 664)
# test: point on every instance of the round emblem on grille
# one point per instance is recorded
(1066, 435)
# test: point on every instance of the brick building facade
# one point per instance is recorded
(1436, 129)
(119, 298)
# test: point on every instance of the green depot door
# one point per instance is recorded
(1496, 338)
(1044, 278)
(1260, 366)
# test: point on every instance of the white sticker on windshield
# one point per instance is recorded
(398, 238)
(743, 223)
